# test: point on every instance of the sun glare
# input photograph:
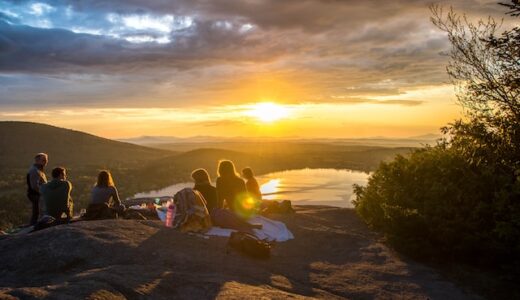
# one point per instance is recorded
(268, 112)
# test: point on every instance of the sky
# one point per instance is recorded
(270, 68)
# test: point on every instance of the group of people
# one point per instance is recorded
(53, 198)
(232, 200)
(229, 203)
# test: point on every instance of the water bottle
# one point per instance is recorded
(170, 215)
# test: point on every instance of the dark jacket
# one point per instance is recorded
(56, 196)
(209, 193)
(232, 190)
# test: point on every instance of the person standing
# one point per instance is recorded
(56, 195)
(35, 179)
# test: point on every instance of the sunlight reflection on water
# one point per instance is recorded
(312, 186)
(304, 186)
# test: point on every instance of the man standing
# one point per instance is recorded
(35, 179)
(56, 195)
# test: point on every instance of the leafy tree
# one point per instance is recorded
(485, 68)
(461, 197)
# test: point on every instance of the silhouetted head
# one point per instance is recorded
(247, 173)
(104, 179)
(59, 173)
(226, 168)
(200, 176)
(41, 159)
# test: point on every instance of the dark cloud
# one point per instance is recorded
(29, 49)
(331, 47)
(354, 100)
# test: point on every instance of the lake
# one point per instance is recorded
(304, 186)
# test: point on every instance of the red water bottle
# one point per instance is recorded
(170, 215)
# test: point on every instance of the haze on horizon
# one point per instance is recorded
(306, 68)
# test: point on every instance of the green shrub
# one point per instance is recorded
(435, 202)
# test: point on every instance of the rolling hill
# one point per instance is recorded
(19, 141)
(82, 154)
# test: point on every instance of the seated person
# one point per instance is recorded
(104, 201)
(56, 195)
(105, 191)
(253, 189)
(219, 217)
(203, 185)
(231, 189)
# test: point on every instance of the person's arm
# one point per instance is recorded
(242, 186)
(115, 196)
(41, 189)
(35, 180)
(70, 204)
(257, 191)
(220, 194)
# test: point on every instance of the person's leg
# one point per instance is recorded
(227, 219)
(35, 201)
(70, 211)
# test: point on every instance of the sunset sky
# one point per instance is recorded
(297, 68)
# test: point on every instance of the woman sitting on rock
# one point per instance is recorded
(105, 202)
(105, 190)
(231, 189)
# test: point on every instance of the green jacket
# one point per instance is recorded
(56, 196)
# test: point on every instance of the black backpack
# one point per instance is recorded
(250, 245)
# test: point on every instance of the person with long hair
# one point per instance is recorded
(105, 190)
(231, 189)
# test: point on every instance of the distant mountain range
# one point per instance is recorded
(414, 141)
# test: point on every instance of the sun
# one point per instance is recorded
(268, 112)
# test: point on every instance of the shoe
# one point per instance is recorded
(257, 226)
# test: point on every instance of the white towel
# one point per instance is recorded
(271, 230)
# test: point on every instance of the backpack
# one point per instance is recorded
(249, 244)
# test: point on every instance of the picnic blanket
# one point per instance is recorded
(271, 230)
